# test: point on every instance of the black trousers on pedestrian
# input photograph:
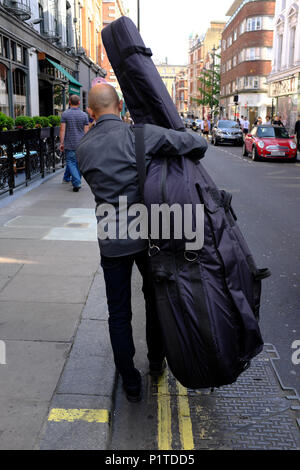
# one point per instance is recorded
(117, 275)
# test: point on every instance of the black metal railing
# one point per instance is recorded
(26, 155)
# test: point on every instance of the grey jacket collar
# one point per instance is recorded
(108, 117)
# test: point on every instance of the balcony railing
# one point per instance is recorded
(19, 8)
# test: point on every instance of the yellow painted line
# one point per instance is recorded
(184, 418)
(164, 413)
(71, 415)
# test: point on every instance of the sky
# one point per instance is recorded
(166, 25)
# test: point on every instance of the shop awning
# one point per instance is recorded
(74, 86)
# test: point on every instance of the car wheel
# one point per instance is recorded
(244, 151)
(255, 156)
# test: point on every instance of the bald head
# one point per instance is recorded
(103, 99)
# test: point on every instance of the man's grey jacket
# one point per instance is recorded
(106, 158)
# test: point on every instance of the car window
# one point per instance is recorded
(281, 132)
(254, 130)
(265, 132)
(228, 124)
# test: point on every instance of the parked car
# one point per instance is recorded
(270, 142)
(198, 123)
(188, 122)
(226, 131)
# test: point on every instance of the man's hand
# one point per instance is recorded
(61, 147)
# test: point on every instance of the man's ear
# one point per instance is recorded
(120, 107)
(91, 113)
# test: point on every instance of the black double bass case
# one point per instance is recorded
(207, 299)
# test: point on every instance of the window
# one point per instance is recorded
(4, 104)
(251, 82)
(229, 41)
(292, 46)
(234, 61)
(224, 45)
(41, 15)
(242, 27)
(283, 4)
(19, 92)
(253, 53)
(235, 35)
(228, 65)
(19, 53)
(254, 23)
(279, 51)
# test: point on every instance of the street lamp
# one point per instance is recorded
(138, 15)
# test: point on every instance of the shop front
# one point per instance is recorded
(14, 76)
(286, 94)
(56, 84)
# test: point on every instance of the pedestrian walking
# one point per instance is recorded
(267, 121)
(277, 122)
(258, 121)
(74, 124)
(297, 132)
(107, 161)
(206, 129)
(246, 125)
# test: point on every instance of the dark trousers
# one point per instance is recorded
(117, 275)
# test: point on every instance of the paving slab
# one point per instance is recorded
(39, 321)
(20, 422)
(32, 369)
(52, 288)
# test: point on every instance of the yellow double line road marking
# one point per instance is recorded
(165, 416)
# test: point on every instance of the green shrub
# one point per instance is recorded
(45, 121)
(25, 122)
(38, 121)
(10, 123)
(54, 120)
(2, 121)
(41, 121)
(6, 122)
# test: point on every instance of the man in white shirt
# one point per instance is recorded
(242, 122)
(246, 126)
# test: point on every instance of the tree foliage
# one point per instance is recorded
(210, 88)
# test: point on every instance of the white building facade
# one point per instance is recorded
(284, 80)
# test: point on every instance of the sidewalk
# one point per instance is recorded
(49, 291)
(57, 387)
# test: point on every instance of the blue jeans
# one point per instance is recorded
(117, 275)
(67, 174)
(72, 168)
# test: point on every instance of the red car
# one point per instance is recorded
(270, 142)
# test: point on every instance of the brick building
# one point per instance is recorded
(181, 91)
(199, 48)
(111, 10)
(284, 81)
(246, 55)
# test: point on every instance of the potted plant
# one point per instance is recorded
(24, 122)
(55, 123)
(42, 123)
(7, 134)
(6, 122)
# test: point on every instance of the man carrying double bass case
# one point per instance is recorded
(106, 157)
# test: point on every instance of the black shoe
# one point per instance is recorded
(156, 369)
(133, 394)
(76, 189)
